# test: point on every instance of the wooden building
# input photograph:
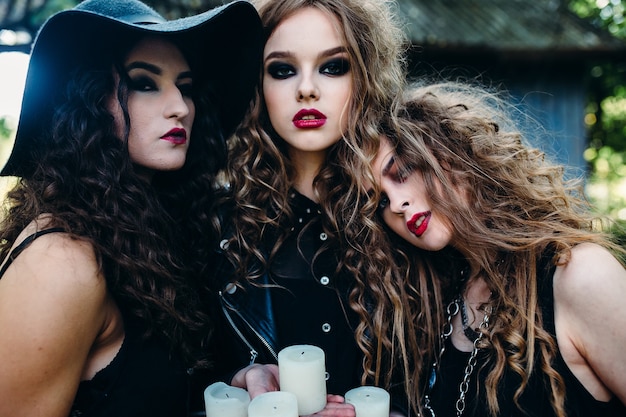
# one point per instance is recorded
(536, 49)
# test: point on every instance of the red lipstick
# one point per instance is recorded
(309, 119)
(419, 223)
(177, 136)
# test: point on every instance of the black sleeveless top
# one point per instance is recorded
(144, 378)
(535, 400)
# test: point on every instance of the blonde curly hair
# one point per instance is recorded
(260, 174)
(464, 137)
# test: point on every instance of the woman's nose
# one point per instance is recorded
(307, 89)
(176, 104)
(398, 204)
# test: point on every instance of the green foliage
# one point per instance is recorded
(606, 186)
(5, 130)
(606, 110)
(606, 115)
(49, 8)
(607, 14)
(619, 231)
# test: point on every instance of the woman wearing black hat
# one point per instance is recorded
(121, 133)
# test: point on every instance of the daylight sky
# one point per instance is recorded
(13, 67)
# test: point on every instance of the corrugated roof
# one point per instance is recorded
(503, 25)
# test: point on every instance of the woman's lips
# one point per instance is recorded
(419, 223)
(309, 119)
(177, 136)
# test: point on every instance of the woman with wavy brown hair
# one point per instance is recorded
(120, 138)
(514, 303)
(331, 71)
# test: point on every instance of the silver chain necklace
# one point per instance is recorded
(452, 310)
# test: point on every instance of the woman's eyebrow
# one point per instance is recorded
(143, 65)
(156, 70)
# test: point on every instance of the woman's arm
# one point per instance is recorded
(590, 317)
(52, 302)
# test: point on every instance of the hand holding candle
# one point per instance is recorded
(302, 371)
(274, 404)
(222, 400)
(369, 401)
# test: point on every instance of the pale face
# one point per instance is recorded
(307, 82)
(405, 206)
(160, 106)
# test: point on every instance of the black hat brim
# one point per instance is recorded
(226, 43)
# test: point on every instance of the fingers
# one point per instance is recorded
(336, 407)
(331, 398)
(261, 379)
(257, 379)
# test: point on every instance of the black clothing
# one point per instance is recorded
(536, 398)
(143, 379)
(306, 303)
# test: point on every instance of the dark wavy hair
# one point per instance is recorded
(260, 174)
(148, 238)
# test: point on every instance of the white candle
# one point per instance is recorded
(222, 400)
(369, 401)
(302, 371)
(274, 404)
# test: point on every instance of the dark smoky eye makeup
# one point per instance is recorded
(399, 170)
(141, 83)
(391, 168)
(186, 88)
(280, 70)
(336, 66)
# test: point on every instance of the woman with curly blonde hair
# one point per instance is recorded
(514, 298)
(331, 70)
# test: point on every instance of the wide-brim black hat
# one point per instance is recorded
(225, 45)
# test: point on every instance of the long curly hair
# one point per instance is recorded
(148, 238)
(260, 173)
(507, 205)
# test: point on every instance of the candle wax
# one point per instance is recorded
(302, 371)
(274, 404)
(369, 401)
(223, 400)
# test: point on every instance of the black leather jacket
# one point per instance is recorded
(245, 327)
(244, 331)
(253, 322)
